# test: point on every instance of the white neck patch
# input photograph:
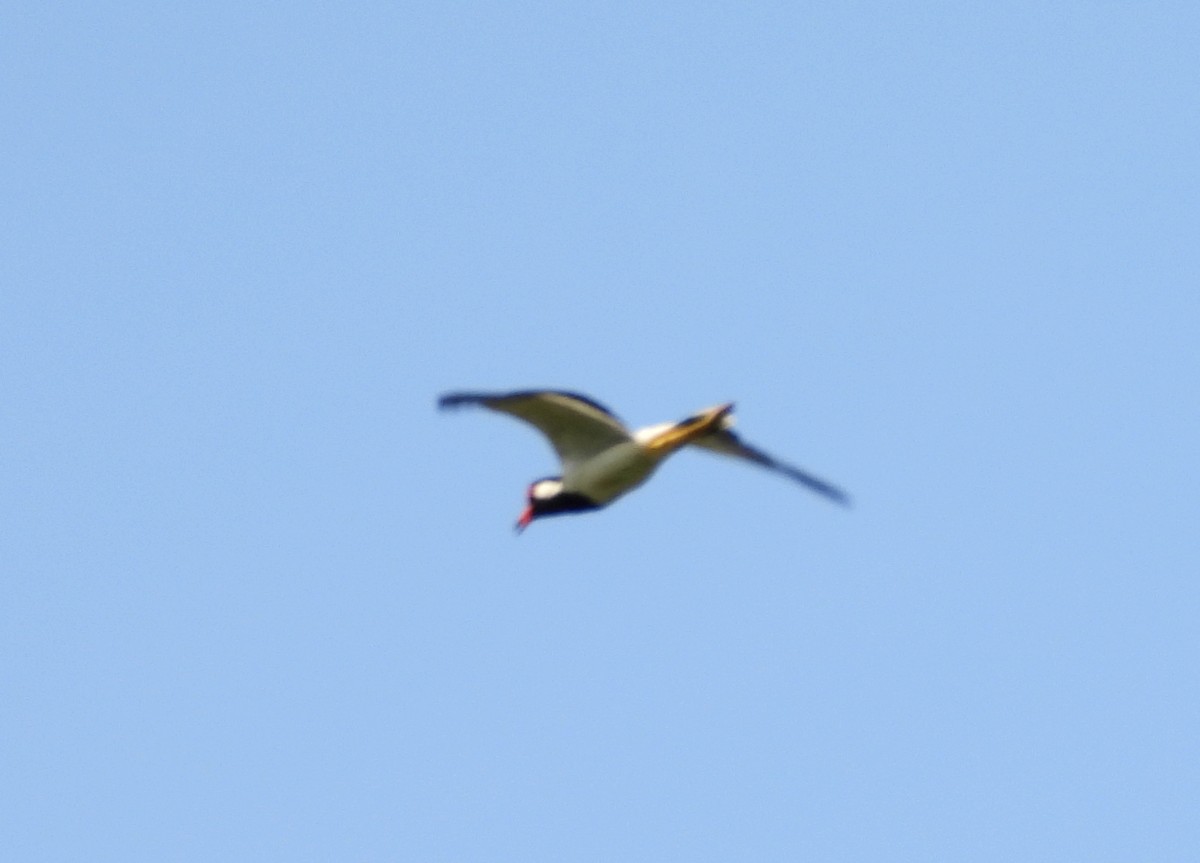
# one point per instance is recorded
(545, 489)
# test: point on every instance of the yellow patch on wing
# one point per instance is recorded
(683, 433)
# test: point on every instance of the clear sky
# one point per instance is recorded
(261, 601)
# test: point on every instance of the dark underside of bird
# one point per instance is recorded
(601, 459)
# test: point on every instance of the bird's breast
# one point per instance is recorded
(610, 474)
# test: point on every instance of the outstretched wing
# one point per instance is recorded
(726, 442)
(576, 426)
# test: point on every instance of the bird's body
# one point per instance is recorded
(616, 471)
(602, 459)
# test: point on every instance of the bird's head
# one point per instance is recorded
(539, 500)
(548, 497)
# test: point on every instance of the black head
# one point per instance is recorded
(547, 497)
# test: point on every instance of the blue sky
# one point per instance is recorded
(261, 601)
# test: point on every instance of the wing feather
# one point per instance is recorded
(577, 427)
(726, 442)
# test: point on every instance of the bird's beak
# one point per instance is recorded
(526, 517)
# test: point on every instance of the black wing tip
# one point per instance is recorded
(840, 498)
(457, 400)
(831, 493)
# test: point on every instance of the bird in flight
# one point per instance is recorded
(602, 459)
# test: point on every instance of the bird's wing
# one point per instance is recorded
(576, 426)
(726, 442)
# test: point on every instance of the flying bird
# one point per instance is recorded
(602, 460)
